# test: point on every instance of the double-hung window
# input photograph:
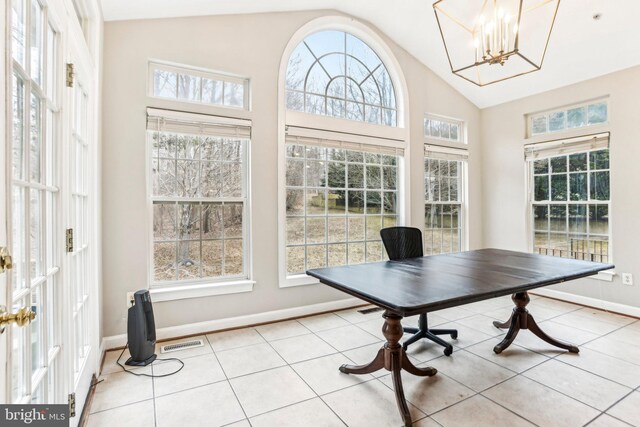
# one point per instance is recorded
(198, 186)
(339, 195)
(569, 198)
(444, 180)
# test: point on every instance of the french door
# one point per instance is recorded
(50, 192)
(33, 201)
(80, 249)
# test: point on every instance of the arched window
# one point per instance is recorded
(343, 135)
(336, 74)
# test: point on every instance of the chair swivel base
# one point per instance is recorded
(432, 335)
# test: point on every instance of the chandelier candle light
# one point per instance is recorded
(479, 34)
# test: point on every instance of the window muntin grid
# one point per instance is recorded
(444, 129)
(336, 74)
(443, 206)
(573, 117)
(189, 85)
(199, 196)
(337, 201)
(570, 205)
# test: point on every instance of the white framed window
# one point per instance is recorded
(569, 198)
(567, 118)
(336, 74)
(339, 195)
(198, 198)
(445, 129)
(190, 84)
(342, 111)
(445, 199)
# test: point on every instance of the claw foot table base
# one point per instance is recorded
(522, 319)
(392, 357)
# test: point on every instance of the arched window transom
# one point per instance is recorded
(336, 74)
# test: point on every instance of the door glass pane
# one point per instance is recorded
(18, 212)
(37, 42)
(35, 229)
(18, 36)
(51, 63)
(18, 367)
(50, 313)
(17, 148)
(36, 138)
(37, 331)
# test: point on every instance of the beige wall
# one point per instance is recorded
(503, 136)
(249, 45)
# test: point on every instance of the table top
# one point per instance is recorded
(419, 285)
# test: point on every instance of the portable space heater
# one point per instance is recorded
(141, 330)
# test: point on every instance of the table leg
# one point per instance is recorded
(522, 319)
(392, 358)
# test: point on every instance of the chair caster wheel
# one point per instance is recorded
(454, 336)
(448, 351)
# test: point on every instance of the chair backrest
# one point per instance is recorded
(402, 242)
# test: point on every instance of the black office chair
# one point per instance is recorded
(402, 243)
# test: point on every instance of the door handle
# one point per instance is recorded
(22, 317)
(6, 263)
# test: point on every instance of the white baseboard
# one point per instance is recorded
(115, 341)
(615, 307)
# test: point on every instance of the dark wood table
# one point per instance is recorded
(420, 285)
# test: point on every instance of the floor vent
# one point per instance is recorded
(370, 310)
(185, 345)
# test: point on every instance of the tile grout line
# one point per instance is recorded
(153, 393)
(228, 382)
(303, 380)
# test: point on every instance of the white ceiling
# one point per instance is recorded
(580, 48)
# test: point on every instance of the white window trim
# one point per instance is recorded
(155, 64)
(172, 293)
(285, 117)
(172, 290)
(580, 129)
(451, 120)
(464, 191)
(605, 276)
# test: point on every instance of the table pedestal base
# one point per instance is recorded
(392, 357)
(522, 319)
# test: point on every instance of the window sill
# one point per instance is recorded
(605, 276)
(299, 280)
(200, 290)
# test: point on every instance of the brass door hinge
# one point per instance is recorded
(69, 239)
(70, 75)
(72, 405)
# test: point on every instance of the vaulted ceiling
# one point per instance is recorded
(580, 48)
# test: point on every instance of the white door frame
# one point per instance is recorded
(77, 53)
(4, 226)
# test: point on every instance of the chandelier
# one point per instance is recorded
(488, 41)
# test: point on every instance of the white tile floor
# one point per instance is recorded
(286, 374)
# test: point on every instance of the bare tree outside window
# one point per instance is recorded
(198, 86)
(336, 74)
(199, 195)
(443, 206)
